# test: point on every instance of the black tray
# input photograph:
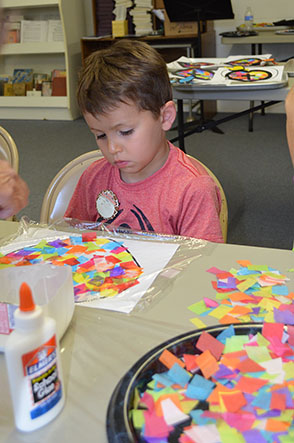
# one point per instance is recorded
(119, 427)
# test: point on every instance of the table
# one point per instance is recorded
(168, 46)
(271, 95)
(256, 41)
(100, 346)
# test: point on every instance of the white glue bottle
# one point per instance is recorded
(33, 366)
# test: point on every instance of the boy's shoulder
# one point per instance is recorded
(186, 164)
(97, 165)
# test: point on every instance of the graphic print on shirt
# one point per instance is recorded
(138, 215)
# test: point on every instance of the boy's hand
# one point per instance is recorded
(14, 191)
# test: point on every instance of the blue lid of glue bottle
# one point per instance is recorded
(33, 365)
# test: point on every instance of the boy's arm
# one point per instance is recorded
(199, 217)
(289, 105)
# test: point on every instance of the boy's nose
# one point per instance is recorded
(113, 147)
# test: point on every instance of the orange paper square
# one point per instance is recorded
(207, 363)
(169, 359)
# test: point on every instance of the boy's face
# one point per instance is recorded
(132, 140)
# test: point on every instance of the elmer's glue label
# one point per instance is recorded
(33, 366)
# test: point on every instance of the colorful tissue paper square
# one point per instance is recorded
(101, 267)
(241, 402)
(252, 293)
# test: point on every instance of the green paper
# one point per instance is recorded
(199, 307)
(235, 343)
(138, 418)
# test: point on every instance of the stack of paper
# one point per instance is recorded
(142, 18)
(41, 31)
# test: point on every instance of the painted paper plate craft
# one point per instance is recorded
(251, 61)
(253, 75)
(191, 74)
(101, 267)
(194, 65)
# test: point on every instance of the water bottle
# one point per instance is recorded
(248, 19)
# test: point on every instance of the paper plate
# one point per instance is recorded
(119, 426)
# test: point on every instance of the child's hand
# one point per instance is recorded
(14, 191)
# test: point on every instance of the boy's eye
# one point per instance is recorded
(128, 132)
(100, 136)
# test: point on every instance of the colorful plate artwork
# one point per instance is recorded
(253, 75)
(219, 384)
(194, 65)
(194, 73)
(246, 62)
(102, 267)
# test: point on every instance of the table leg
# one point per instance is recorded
(250, 128)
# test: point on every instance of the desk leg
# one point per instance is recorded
(181, 125)
(253, 52)
(250, 128)
(262, 111)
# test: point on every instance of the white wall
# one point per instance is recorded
(89, 17)
(263, 11)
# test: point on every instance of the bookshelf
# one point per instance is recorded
(44, 57)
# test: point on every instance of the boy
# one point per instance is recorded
(143, 182)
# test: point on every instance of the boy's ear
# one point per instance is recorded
(168, 114)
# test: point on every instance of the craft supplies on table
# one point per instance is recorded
(33, 365)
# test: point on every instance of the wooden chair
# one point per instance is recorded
(8, 149)
(61, 188)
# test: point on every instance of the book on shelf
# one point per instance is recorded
(33, 31)
(22, 75)
(58, 79)
(46, 89)
(59, 86)
(55, 31)
(142, 19)
(12, 32)
(144, 3)
(58, 73)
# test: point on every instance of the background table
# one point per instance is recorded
(193, 92)
(100, 346)
(256, 41)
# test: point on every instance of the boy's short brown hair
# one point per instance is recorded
(128, 70)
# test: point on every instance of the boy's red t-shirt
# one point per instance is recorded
(179, 199)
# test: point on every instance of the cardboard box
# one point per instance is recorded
(179, 28)
(119, 28)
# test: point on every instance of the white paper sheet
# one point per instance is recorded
(151, 256)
